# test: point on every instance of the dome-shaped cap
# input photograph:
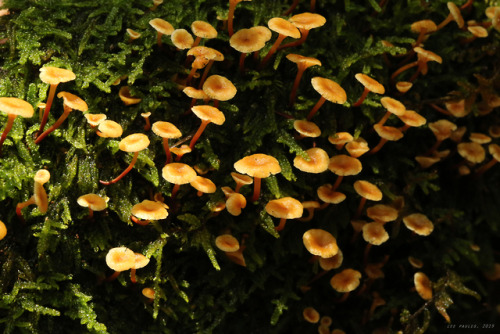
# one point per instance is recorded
(162, 26)
(242, 179)
(109, 129)
(203, 29)
(183, 149)
(357, 147)
(206, 53)
(307, 20)
(209, 113)
(235, 203)
(15, 106)
(423, 285)
(412, 118)
(320, 242)
(388, 132)
(345, 281)
(403, 86)
(393, 106)
(247, 40)
(227, 243)
(120, 258)
(425, 26)
(264, 32)
(307, 128)
(318, 162)
(54, 75)
(303, 61)
(286, 207)
(442, 128)
(371, 84)
(382, 213)
(149, 210)
(479, 138)
(340, 138)
(455, 13)
(494, 150)
(344, 165)
(95, 119)
(92, 201)
(374, 233)
(368, 190)
(418, 223)
(126, 97)
(203, 184)
(258, 165)
(42, 176)
(219, 88)
(310, 315)
(134, 143)
(478, 31)
(328, 195)
(283, 27)
(426, 55)
(166, 130)
(472, 152)
(73, 101)
(182, 39)
(333, 262)
(178, 173)
(329, 90)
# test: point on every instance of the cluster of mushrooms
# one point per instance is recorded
(370, 222)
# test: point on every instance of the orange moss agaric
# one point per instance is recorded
(235, 203)
(375, 233)
(285, 29)
(92, 201)
(306, 128)
(178, 174)
(419, 223)
(284, 208)
(320, 242)
(370, 85)
(126, 97)
(303, 63)
(148, 210)
(3, 230)
(39, 196)
(345, 281)
(13, 107)
(207, 114)
(95, 119)
(310, 315)
(329, 90)
(203, 185)
(318, 161)
(227, 243)
(120, 259)
(166, 131)
(109, 129)
(162, 27)
(182, 39)
(258, 166)
(423, 285)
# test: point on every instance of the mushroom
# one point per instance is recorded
(95, 119)
(126, 97)
(339, 139)
(219, 88)
(149, 293)
(309, 206)
(144, 212)
(109, 129)
(133, 143)
(370, 84)
(327, 194)
(357, 147)
(303, 63)
(305, 22)
(285, 29)
(207, 114)
(140, 261)
(202, 29)
(203, 185)
(241, 180)
(284, 208)
(182, 39)
(423, 285)
(494, 150)
(52, 76)
(415, 263)
(472, 152)
(310, 315)
(227, 243)
(13, 107)
(235, 203)
(258, 166)
(180, 151)
(306, 129)
(343, 165)
(392, 106)
(442, 129)
(382, 213)
(246, 41)
(345, 281)
(39, 196)
(94, 202)
(329, 90)
(411, 119)
(422, 28)
(119, 259)
(3, 230)
(230, 15)
(166, 131)
(318, 161)
(178, 174)
(374, 233)
(403, 86)
(367, 191)
(333, 262)
(133, 35)
(146, 115)
(162, 27)
(386, 133)
(70, 102)
(195, 94)
(455, 15)
(419, 223)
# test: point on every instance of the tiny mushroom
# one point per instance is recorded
(320, 243)
(343, 165)
(374, 233)
(227, 243)
(126, 97)
(284, 208)
(241, 180)
(162, 27)
(285, 29)
(494, 150)
(39, 197)
(140, 261)
(109, 129)
(327, 194)
(144, 212)
(182, 39)
(92, 201)
(219, 88)
(318, 161)
(418, 223)
(178, 174)
(3, 230)
(119, 259)
(202, 29)
(13, 107)
(258, 166)
(472, 152)
(246, 41)
(203, 185)
(329, 90)
(303, 63)
(207, 114)
(306, 128)
(310, 315)
(367, 191)
(423, 285)
(386, 133)
(305, 22)
(235, 203)
(95, 119)
(370, 84)
(345, 281)
(166, 131)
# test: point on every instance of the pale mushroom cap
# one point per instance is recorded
(472, 152)
(490, 11)
(455, 12)
(418, 223)
(426, 162)
(286, 207)
(178, 173)
(227, 243)
(203, 29)
(412, 118)
(344, 165)
(15, 106)
(246, 41)
(73, 101)
(333, 262)
(371, 84)
(382, 213)
(340, 138)
(140, 261)
(203, 184)
(427, 55)
(423, 285)
(393, 106)
(42, 176)
(310, 315)
(479, 138)
(120, 258)
(127, 99)
(54, 75)
(457, 108)
(162, 26)
(307, 20)
(209, 113)
(134, 143)
(182, 39)
(283, 27)
(219, 88)
(423, 26)
(3, 230)
(388, 132)
(205, 52)
(318, 162)
(149, 210)
(328, 195)
(95, 119)
(166, 130)
(329, 90)
(306, 128)
(235, 203)
(345, 281)
(258, 165)
(403, 86)
(368, 190)
(303, 60)
(375, 233)
(92, 201)
(442, 129)
(148, 293)
(415, 263)
(320, 242)
(110, 129)
(357, 147)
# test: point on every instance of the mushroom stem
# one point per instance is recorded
(361, 98)
(256, 188)
(205, 73)
(377, 148)
(230, 16)
(128, 169)
(434, 147)
(309, 217)
(486, 166)
(366, 253)
(167, 150)
(198, 133)
(293, 94)
(22, 205)
(385, 118)
(439, 109)
(343, 298)
(133, 279)
(273, 49)
(113, 277)
(292, 7)
(403, 68)
(190, 76)
(303, 37)
(48, 104)
(467, 4)
(91, 214)
(281, 225)
(175, 189)
(313, 6)
(139, 221)
(8, 127)
(158, 38)
(242, 62)
(54, 126)
(360, 207)
(443, 23)
(316, 107)
(337, 182)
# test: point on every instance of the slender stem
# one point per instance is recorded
(292, 7)
(485, 167)
(91, 214)
(447, 20)
(281, 225)
(8, 127)
(256, 189)
(205, 73)
(337, 182)
(230, 17)
(190, 76)
(360, 207)
(303, 37)
(113, 277)
(198, 133)
(361, 98)
(313, 6)
(273, 49)
(132, 275)
(242, 62)
(175, 189)
(139, 221)
(54, 126)
(48, 104)
(467, 4)
(377, 148)
(125, 172)
(343, 298)
(404, 68)
(434, 147)
(441, 110)
(167, 150)
(22, 205)
(315, 108)
(367, 253)
(293, 94)
(158, 38)
(385, 118)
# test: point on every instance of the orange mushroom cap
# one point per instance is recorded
(423, 285)
(306, 128)
(329, 89)
(286, 207)
(320, 242)
(178, 173)
(374, 233)
(134, 143)
(93, 202)
(149, 210)
(318, 162)
(247, 40)
(182, 39)
(15, 106)
(219, 88)
(344, 165)
(120, 259)
(227, 243)
(203, 29)
(283, 27)
(258, 165)
(418, 223)
(472, 152)
(345, 281)
(307, 21)
(371, 84)
(162, 26)
(166, 130)
(109, 129)
(54, 75)
(368, 190)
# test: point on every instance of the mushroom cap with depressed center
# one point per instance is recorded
(15, 106)
(140, 261)
(455, 13)
(427, 55)
(227, 243)
(329, 90)
(184, 149)
(344, 165)
(403, 86)
(479, 138)
(234, 203)
(340, 138)
(425, 26)
(264, 32)
(134, 143)
(258, 165)
(328, 195)
(166, 130)
(345, 281)
(426, 162)
(375, 233)
(318, 162)
(149, 210)
(219, 88)
(246, 41)
(203, 29)
(120, 259)
(371, 84)
(92, 201)
(310, 315)
(283, 27)
(320, 242)
(307, 128)
(194, 93)
(388, 132)
(162, 26)
(209, 113)
(127, 99)
(357, 147)
(393, 106)
(423, 285)
(419, 223)
(148, 293)
(442, 128)
(95, 119)
(205, 52)
(133, 34)
(182, 39)
(110, 129)
(303, 61)
(368, 190)
(73, 101)
(382, 213)
(307, 20)
(286, 207)
(178, 173)
(472, 152)
(54, 75)
(412, 118)
(42, 176)
(203, 184)
(333, 262)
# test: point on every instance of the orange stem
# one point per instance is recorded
(293, 94)
(360, 207)
(485, 167)
(113, 277)
(337, 182)
(205, 73)
(230, 16)
(292, 7)
(315, 108)
(403, 68)
(198, 133)
(167, 150)
(8, 127)
(281, 225)
(175, 189)
(273, 49)
(256, 189)
(54, 126)
(128, 169)
(132, 275)
(50, 98)
(22, 205)
(377, 148)
(361, 98)
(303, 37)
(242, 62)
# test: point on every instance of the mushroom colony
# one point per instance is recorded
(269, 166)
